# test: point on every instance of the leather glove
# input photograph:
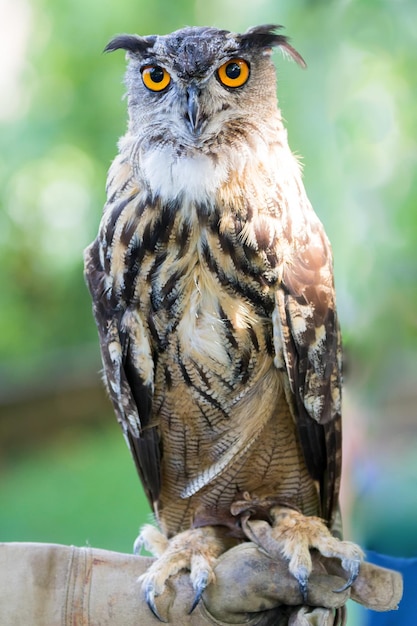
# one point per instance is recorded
(249, 583)
(53, 585)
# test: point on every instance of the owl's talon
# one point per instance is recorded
(294, 535)
(302, 580)
(199, 588)
(150, 601)
(138, 545)
(193, 550)
(353, 569)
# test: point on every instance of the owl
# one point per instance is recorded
(212, 286)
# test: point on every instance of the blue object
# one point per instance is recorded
(406, 615)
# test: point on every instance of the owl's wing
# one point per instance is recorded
(124, 341)
(308, 351)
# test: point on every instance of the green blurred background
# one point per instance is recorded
(65, 474)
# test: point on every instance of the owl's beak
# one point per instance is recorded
(193, 107)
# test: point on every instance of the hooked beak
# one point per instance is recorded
(193, 107)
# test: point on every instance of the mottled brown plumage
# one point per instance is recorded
(212, 285)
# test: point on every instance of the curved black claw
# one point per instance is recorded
(354, 571)
(199, 587)
(302, 580)
(150, 601)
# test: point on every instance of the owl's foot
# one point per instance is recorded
(194, 550)
(293, 534)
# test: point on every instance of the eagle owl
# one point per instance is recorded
(212, 286)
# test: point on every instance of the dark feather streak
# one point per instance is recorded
(131, 43)
(267, 37)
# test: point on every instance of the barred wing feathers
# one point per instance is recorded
(308, 349)
(125, 347)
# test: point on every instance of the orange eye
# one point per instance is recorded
(155, 78)
(233, 73)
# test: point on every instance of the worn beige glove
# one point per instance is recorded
(52, 585)
(268, 584)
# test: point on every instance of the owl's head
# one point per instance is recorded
(194, 84)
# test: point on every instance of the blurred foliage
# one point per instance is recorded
(70, 493)
(351, 115)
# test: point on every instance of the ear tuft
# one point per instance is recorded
(131, 43)
(266, 37)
